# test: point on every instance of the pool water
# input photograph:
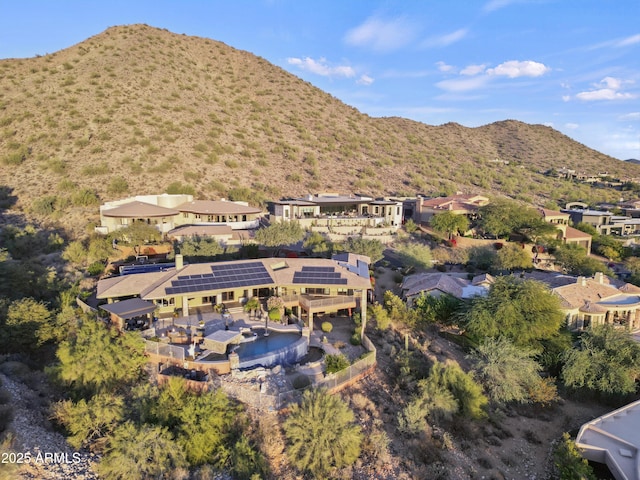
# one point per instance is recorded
(262, 345)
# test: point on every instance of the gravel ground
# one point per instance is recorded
(45, 454)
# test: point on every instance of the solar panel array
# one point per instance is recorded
(222, 277)
(319, 275)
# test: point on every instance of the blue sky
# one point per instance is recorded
(570, 64)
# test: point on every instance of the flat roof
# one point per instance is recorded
(130, 308)
(613, 439)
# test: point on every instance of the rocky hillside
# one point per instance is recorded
(137, 109)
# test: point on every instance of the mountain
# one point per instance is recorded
(634, 161)
(138, 110)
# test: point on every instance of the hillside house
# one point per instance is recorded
(459, 203)
(437, 284)
(308, 286)
(598, 301)
(334, 210)
(567, 234)
(170, 214)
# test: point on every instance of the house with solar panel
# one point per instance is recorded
(180, 216)
(308, 287)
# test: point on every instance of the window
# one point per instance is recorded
(166, 302)
(345, 291)
(185, 214)
(208, 299)
(228, 296)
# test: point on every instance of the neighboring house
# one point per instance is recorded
(606, 223)
(167, 212)
(612, 439)
(598, 301)
(436, 284)
(569, 235)
(597, 218)
(308, 286)
(460, 204)
(332, 209)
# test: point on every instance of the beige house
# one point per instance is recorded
(334, 210)
(598, 301)
(459, 203)
(569, 235)
(437, 284)
(167, 212)
(308, 286)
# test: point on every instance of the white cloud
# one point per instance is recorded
(631, 116)
(607, 89)
(473, 70)
(463, 84)
(571, 126)
(446, 39)
(321, 67)
(365, 80)
(443, 67)
(382, 35)
(632, 40)
(566, 98)
(515, 69)
(496, 5)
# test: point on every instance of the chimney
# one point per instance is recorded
(599, 277)
(582, 281)
(179, 261)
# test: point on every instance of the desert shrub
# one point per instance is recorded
(355, 338)
(336, 363)
(322, 434)
(44, 205)
(96, 268)
(85, 197)
(118, 185)
(274, 315)
(570, 463)
(326, 327)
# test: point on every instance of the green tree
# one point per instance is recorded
(410, 226)
(321, 434)
(449, 223)
(448, 391)
(525, 311)
(99, 358)
(200, 249)
(278, 235)
(137, 234)
(140, 453)
(371, 248)
(574, 260)
(606, 362)
(88, 421)
(317, 244)
(509, 373)
(437, 308)
(570, 463)
(381, 316)
(633, 264)
(415, 254)
(513, 257)
(500, 217)
(29, 324)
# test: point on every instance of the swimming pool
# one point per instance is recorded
(279, 348)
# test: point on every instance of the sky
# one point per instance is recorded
(573, 65)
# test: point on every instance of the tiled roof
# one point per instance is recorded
(137, 209)
(428, 282)
(585, 290)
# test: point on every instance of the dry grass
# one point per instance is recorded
(152, 106)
